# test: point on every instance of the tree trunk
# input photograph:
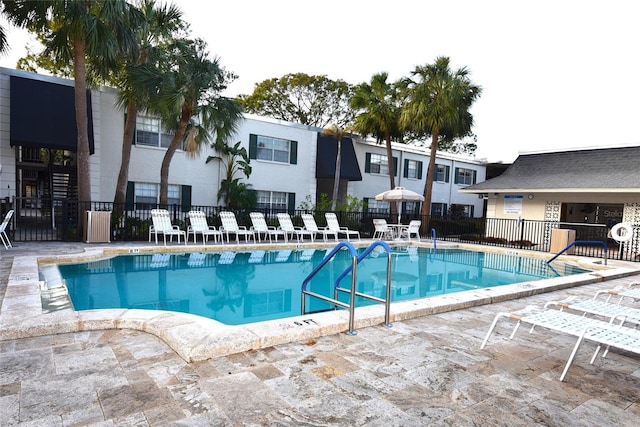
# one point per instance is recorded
(166, 161)
(336, 177)
(431, 173)
(123, 177)
(82, 153)
(392, 174)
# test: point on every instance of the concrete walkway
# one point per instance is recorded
(424, 371)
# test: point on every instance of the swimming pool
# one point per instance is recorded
(243, 287)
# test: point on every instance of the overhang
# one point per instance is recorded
(326, 159)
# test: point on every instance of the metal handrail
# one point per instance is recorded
(355, 259)
(583, 242)
(433, 235)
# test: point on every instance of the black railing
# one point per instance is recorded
(38, 219)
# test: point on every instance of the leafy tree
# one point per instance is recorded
(73, 31)
(300, 98)
(378, 106)
(189, 85)
(235, 160)
(438, 105)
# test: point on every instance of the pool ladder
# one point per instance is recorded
(355, 260)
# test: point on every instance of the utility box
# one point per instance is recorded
(560, 239)
(97, 227)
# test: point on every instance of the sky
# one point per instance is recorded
(555, 74)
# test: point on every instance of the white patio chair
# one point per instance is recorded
(260, 227)
(3, 230)
(381, 230)
(230, 226)
(287, 226)
(583, 328)
(413, 229)
(311, 225)
(162, 225)
(198, 225)
(334, 225)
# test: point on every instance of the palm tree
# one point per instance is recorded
(379, 109)
(438, 104)
(235, 160)
(192, 106)
(75, 31)
(338, 132)
(160, 23)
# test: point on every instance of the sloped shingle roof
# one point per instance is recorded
(606, 169)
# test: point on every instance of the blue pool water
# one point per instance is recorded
(244, 287)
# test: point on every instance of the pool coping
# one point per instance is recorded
(196, 338)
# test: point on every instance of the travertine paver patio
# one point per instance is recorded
(423, 371)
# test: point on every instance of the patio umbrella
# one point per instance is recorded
(400, 194)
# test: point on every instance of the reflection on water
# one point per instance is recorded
(244, 287)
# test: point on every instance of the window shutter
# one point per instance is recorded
(419, 170)
(405, 171)
(474, 177)
(471, 210)
(367, 163)
(186, 198)
(253, 146)
(291, 202)
(395, 166)
(447, 172)
(365, 204)
(128, 203)
(455, 177)
(293, 152)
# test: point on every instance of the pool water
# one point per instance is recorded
(245, 287)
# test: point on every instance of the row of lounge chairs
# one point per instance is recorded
(609, 325)
(259, 230)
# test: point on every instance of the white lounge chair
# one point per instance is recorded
(334, 225)
(413, 229)
(3, 230)
(381, 230)
(287, 226)
(162, 225)
(583, 328)
(230, 226)
(311, 225)
(260, 227)
(198, 225)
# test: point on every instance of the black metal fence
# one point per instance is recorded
(57, 220)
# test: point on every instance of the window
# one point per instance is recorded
(377, 206)
(149, 194)
(442, 173)
(149, 132)
(379, 164)
(438, 209)
(272, 200)
(272, 149)
(412, 169)
(465, 176)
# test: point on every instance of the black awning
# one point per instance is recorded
(43, 115)
(326, 159)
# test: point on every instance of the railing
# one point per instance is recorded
(355, 259)
(582, 242)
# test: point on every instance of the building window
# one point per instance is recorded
(412, 169)
(148, 195)
(442, 173)
(377, 206)
(465, 176)
(149, 132)
(273, 149)
(276, 200)
(438, 209)
(379, 164)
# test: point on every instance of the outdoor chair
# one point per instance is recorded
(381, 229)
(601, 332)
(287, 226)
(230, 226)
(162, 225)
(260, 228)
(413, 229)
(334, 225)
(311, 225)
(3, 230)
(198, 225)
